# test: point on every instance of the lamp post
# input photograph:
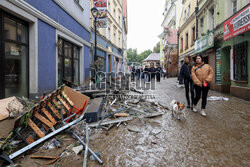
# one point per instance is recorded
(94, 13)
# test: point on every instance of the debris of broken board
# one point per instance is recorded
(46, 119)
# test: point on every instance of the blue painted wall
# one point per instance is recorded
(46, 57)
(51, 9)
(86, 62)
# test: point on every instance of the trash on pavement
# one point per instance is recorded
(216, 98)
(10, 107)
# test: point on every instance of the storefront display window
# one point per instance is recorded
(240, 62)
(14, 56)
(68, 62)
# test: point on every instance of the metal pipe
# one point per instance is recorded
(84, 145)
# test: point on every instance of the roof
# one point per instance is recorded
(153, 57)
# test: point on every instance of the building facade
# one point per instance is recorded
(170, 24)
(232, 47)
(111, 40)
(187, 30)
(43, 43)
(204, 45)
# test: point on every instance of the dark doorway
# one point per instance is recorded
(14, 64)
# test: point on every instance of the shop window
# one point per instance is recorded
(186, 47)
(240, 62)
(202, 26)
(234, 6)
(68, 62)
(181, 44)
(14, 70)
(193, 35)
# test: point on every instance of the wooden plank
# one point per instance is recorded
(64, 103)
(30, 140)
(43, 157)
(54, 110)
(56, 103)
(67, 98)
(35, 128)
(44, 120)
(48, 115)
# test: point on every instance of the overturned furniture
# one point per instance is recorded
(58, 111)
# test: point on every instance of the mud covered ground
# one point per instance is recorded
(220, 139)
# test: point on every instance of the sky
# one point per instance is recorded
(144, 23)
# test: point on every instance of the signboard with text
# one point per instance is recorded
(218, 66)
(204, 43)
(101, 6)
(237, 24)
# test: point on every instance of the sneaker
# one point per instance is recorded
(194, 109)
(203, 113)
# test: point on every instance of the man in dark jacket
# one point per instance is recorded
(158, 73)
(185, 74)
(152, 71)
(146, 74)
(133, 73)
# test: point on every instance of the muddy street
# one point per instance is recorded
(220, 139)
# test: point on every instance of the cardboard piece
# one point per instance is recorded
(9, 105)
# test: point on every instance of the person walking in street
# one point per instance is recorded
(185, 74)
(133, 73)
(141, 73)
(146, 74)
(138, 73)
(158, 73)
(152, 71)
(164, 73)
(202, 75)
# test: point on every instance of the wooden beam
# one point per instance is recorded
(54, 110)
(30, 140)
(67, 98)
(56, 103)
(64, 103)
(48, 115)
(44, 120)
(35, 128)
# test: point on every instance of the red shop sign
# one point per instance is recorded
(237, 24)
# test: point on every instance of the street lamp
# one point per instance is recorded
(94, 13)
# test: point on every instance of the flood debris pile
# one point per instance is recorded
(59, 126)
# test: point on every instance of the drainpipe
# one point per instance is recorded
(178, 36)
(196, 12)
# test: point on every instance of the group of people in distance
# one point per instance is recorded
(148, 73)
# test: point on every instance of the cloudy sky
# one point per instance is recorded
(144, 23)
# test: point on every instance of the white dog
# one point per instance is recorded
(178, 109)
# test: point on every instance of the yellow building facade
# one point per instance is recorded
(112, 39)
(187, 30)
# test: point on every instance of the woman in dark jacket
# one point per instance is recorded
(185, 74)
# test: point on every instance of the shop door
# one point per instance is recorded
(110, 64)
(14, 56)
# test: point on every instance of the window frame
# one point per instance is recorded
(72, 59)
(239, 52)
